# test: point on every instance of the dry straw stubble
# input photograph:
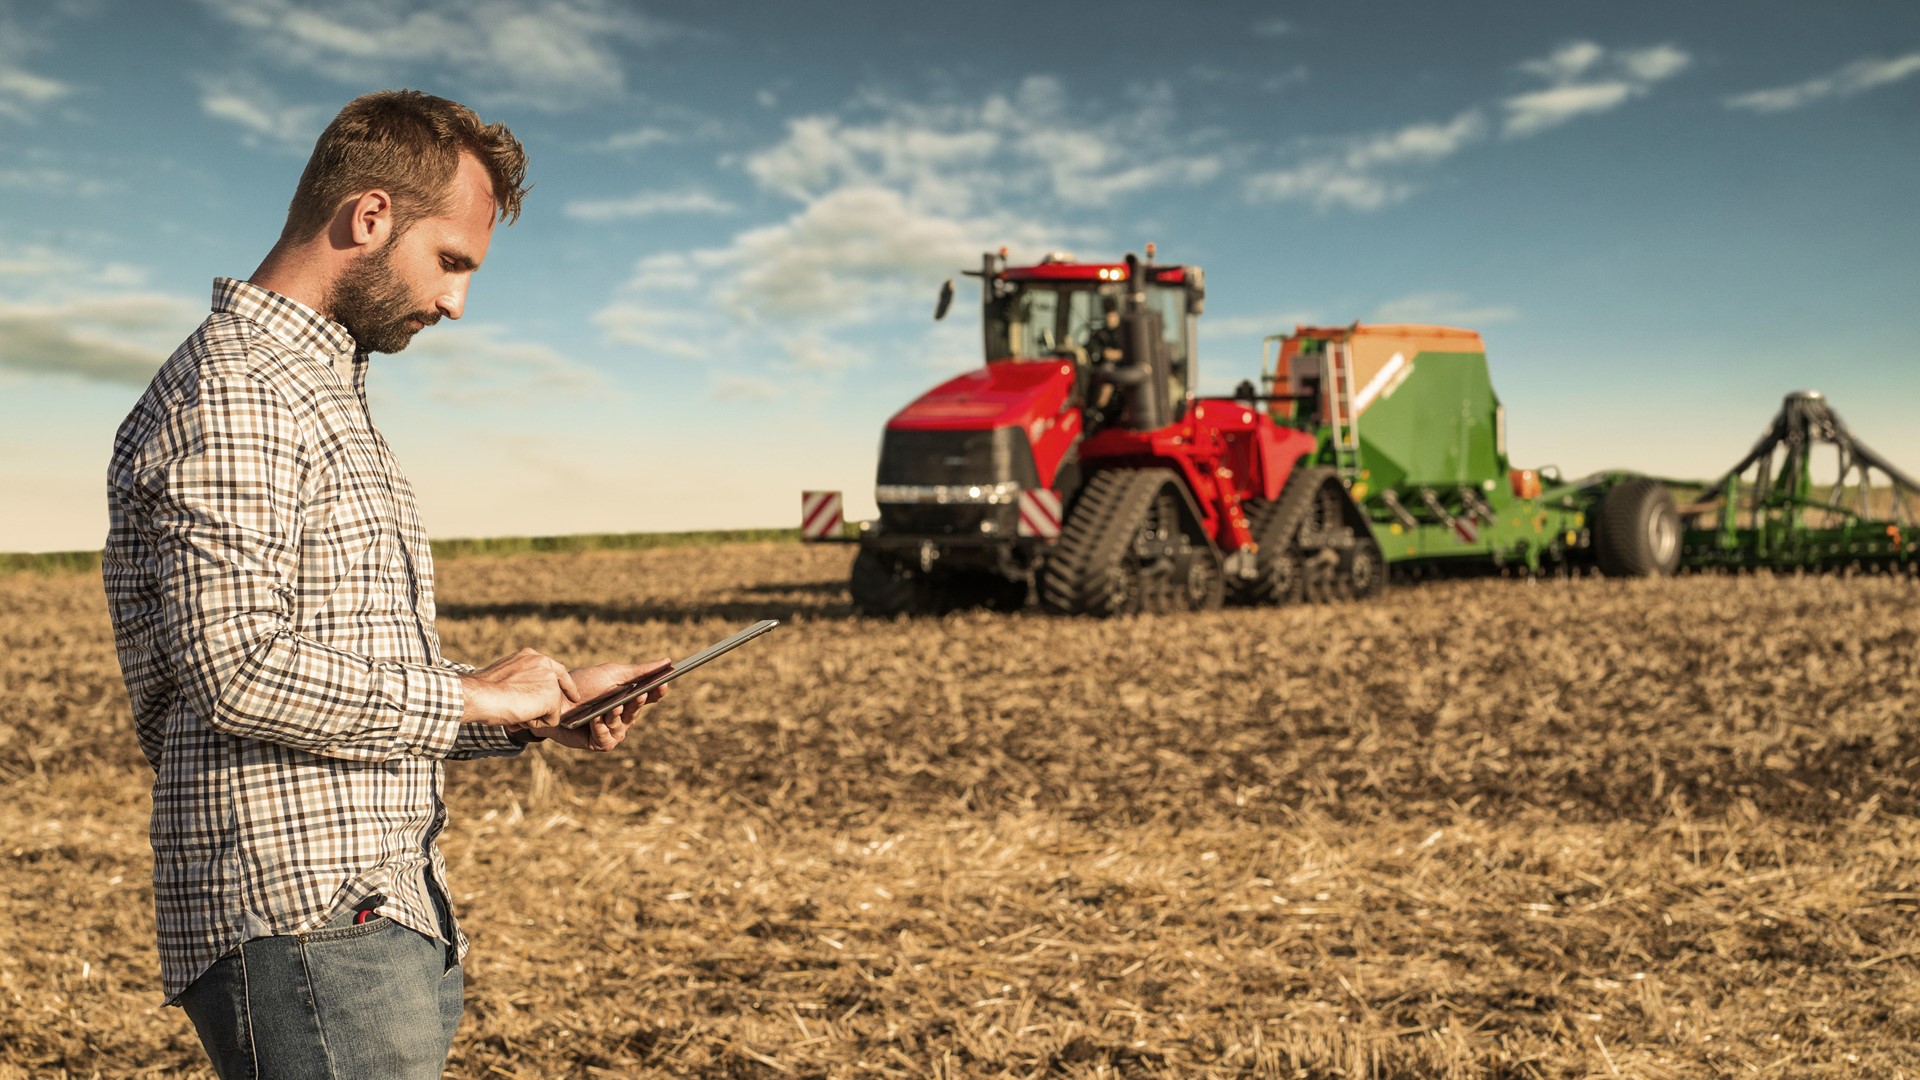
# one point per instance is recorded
(1563, 829)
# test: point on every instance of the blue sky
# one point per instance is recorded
(1663, 217)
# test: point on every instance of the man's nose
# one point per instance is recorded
(453, 301)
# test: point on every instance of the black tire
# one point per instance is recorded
(1636, 530)
(885, 588)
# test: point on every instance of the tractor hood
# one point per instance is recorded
(1009, 424)
(1004, 394)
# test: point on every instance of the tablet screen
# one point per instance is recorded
(581, 714)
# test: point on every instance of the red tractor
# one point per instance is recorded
(1076, 463)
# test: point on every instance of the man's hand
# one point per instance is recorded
(605, 732)
(525, 688)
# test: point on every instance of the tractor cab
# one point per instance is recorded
(1049, 312)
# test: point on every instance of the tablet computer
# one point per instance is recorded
(582, 714)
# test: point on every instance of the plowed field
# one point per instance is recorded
(1492, 828)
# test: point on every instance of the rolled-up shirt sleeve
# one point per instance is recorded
(224, 499)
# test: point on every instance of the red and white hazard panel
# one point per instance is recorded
(1039, 513)
(820, 516)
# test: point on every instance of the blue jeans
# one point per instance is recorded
(344, 1002)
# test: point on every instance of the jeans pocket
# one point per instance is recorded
(352, 930)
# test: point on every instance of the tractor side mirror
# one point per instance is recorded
(945, 301)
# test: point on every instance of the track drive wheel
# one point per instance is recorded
(1279, 574)
(1129, 545)
(1319, 584)
(886, 588)
(1636, 530)
(1363, 570)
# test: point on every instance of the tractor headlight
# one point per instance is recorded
(948, 494)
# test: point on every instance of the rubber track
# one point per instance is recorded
(1282, 519)
(1096, 537)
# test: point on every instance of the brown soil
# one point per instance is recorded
(1494, 828)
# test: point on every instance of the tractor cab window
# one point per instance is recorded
(1037, 322)
(1171, 303)
(1043, 320)
(1040, 320)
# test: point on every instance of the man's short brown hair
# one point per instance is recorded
(407, 144)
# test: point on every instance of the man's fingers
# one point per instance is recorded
(603, 737)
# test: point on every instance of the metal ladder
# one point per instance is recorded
(1342, 417)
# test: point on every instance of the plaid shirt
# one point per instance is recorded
(272, 598)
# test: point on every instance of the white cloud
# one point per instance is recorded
(55, 181)
(815, 352)
(1583, 79)
(1272, 28)
(1567, 62)
(1530, 114)
(553, 54)
(33, 89)
(23, 94)
(638, 139)
(1369, 172)
(1220, 326)
(1854, 78)
(36, 263)
(115, 338)
(667, 123)
(1029, 145)
(256, 109)
(1443, 308)
(477, 364)
(636, 318)
(1656, 63)
(852, 254)
(744, 388)
(647, 204)
(1359, 174)
(893, 196)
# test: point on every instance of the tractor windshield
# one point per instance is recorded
(1045, 320)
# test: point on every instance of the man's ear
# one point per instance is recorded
(371, 223)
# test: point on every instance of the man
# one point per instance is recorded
(1105, 352)
(271, 590)
(1104, 344)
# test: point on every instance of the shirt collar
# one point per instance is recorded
(288, 321)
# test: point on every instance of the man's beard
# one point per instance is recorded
(372, 303)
